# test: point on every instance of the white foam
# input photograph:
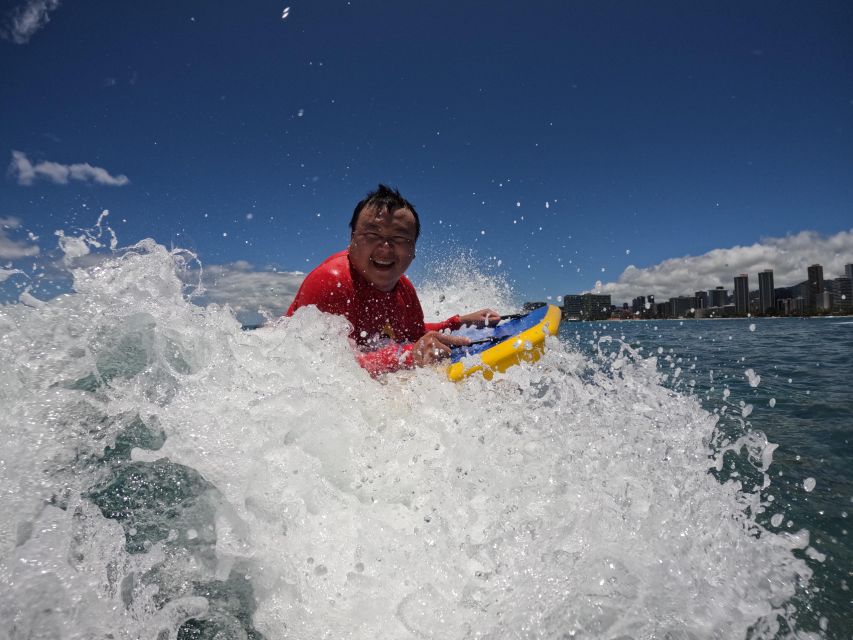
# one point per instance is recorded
(568, 496)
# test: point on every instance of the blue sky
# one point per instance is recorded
(561, 142)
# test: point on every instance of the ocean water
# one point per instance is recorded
(792, 380)
(166, 474)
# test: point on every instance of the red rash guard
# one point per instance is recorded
(336, 287)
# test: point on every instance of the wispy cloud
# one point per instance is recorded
(23, 21)
(14, 249)
(788, 257)
(26, 173)
(248, 291)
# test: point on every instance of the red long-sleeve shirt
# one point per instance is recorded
(377, 317)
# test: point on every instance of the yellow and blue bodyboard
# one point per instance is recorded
(517, 340)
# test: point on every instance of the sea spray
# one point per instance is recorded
(167, 474)
(459, 282)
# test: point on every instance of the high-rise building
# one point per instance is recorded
(596, 306)
(815, 284)
(848, 271)
(572, 307)
(718, 296)
(766, 300)
(816, 277)
(588, 306)
(842, 293)
(823, 301)
(681, 306)
(700, 300)
(791, 306)
(742, 294)
(638, 305)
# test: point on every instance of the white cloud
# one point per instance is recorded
(247, 291)
(26, 172)
(27, 18)
(788, 257)
(14, 249)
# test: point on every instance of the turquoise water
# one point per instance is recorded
(803, 403)
(166, 474)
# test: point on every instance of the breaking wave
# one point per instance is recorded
(166, 474)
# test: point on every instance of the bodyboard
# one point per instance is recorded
(517, 340)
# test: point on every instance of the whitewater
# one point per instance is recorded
(166, 474)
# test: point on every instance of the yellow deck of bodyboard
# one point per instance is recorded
(526, 346)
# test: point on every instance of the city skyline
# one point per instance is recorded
(848, 269)
(788, 257)
(815, 294)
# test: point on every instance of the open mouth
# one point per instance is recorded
(382, 265)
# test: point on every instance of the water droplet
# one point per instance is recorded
(754, 378)
(809, 484)
(752, 327)
(285, 13)
(772, 402)
(814, 554)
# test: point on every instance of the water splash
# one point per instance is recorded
(167, 473)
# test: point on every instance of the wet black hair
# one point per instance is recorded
(385, 198)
